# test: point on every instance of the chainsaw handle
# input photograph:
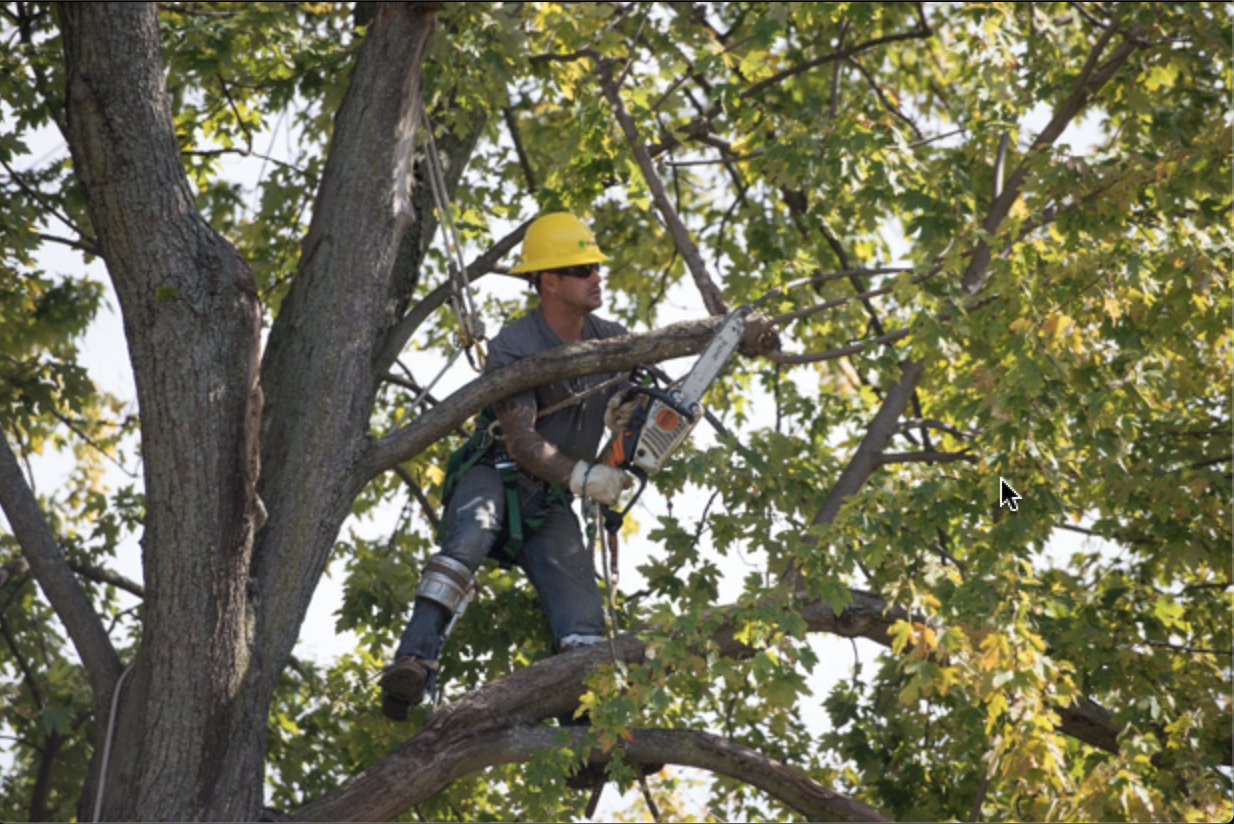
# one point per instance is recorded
(614, 518)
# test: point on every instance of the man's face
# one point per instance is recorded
(581, 293)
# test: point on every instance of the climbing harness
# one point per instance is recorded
(487, 446)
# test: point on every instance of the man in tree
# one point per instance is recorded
(508, 490)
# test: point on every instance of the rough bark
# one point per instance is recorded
(318, 371)
(192, 323)
(191, 727)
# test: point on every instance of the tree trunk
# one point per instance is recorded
(220, 620)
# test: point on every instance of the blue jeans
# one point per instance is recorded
(554, 557)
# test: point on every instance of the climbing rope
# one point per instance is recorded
(471, 329)
(111, 731)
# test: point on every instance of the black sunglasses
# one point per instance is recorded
(583, 271)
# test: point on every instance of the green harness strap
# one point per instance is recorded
(517, 524)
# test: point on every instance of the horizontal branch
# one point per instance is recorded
(842, 54)
(831, 354)
(459, 738)
(925, 457)
(941, 426)
(705, 751)
(576, 360)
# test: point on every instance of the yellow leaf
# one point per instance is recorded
(996, 707)
(435, 475)
(1021, 326)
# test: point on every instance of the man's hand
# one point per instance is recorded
(619, 410)
(599, 482)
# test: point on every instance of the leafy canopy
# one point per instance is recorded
(1091, 367)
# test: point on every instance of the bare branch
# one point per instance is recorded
(866, 459)
(832, 354)
(524, 161)
(942, 426)
(105, 576)
(79, 245)
(55, 577)
(926, 457)
(712, 297)
(843, 54)
(1092, 78)
(419, 313)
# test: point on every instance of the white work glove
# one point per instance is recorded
(618, 413)
(599, 482)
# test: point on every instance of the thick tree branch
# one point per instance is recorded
(867, 457)
(925, 457)
(612, 355)
(694, 748)
(52, 571)
(459, 738)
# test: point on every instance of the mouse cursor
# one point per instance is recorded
(1007, 496)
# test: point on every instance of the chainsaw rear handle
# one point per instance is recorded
(614, 518)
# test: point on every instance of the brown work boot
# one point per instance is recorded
(402, 685)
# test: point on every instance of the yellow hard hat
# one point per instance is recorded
(557, 241)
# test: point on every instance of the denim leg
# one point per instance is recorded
(474, 515)
(561, 569)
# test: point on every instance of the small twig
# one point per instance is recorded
(420, 497)
(242, 153)
(842, 54)
(1201, 650)
(781, 320)
(38, 196)
(105, 576)
(90, 442)
(937, 137)
(882, 96)
(942, 426)
(717, 162)
(621, 81)
(832, 354)
(79, 245)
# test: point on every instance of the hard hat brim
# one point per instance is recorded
(590, 256)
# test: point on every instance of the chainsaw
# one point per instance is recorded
(660, 424)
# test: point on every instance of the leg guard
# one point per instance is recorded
(447, 582)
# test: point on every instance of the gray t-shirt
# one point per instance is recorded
(575, 430)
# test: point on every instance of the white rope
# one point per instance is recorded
(111, 729)
(471, 329)
(424, 392)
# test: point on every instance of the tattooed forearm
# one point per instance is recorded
(528, 447)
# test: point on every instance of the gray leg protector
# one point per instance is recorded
(447, 582)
